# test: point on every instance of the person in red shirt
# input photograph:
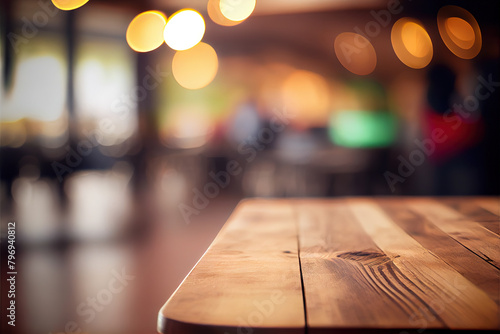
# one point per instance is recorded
(453, 158)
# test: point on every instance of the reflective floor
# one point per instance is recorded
(110, 286)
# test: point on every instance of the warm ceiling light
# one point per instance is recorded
(184, 29)
(145, 32)
(195, 68)
(411, 43)
(415, 39)
(355, 53)
(237, 10)
(69, 4)
(307, 95)
(213, 9)
(460, 31)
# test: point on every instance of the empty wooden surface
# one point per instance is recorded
(388, 264)
(248, 281)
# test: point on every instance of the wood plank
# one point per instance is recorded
(349, 282)
(470, 234)
(490, 204)
(449, 296)
(485, 276)
(473, 210)
(248, 280)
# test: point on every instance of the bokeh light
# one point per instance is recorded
(213, 9)
(184, 29)
(41, 96)
(195, 68)
(415, 39)
(460, 31)
(237, 10)
(69, 4)
(307, 95)
(145, 31)
(360, 128)
(101, 81)
(98, 202)
(355, 53)
(187, 126)
(411, 43)
(364, 119)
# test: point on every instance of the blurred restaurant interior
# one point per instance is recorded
(129, 130)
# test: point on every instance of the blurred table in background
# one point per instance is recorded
(317, 265)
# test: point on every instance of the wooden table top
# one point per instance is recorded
(318, 265)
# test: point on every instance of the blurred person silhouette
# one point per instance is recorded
(456, 157)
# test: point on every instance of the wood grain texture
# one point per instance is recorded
(490, 204)
(383, 265)
(247, 281)
(344, 272)
(475, 210)
(483, 242)
(441, 244)
(446, 293)
(361, 270)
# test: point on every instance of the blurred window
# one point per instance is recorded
(33, 87)
(106, 98)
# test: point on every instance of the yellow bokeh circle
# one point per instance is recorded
(355, 53)
(411, 43)
(237, 10)
(145, 31)
(195, 68)
(69, 4)
(214, 12)
(184, 29)
(460, 31)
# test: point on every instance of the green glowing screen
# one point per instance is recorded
(354, 128)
